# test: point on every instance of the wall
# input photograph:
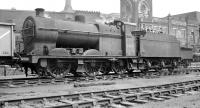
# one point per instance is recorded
(187, 33)
(133, 10)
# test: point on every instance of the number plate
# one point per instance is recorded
(4, 52)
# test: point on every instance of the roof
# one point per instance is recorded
(192, 17)
(7, 24)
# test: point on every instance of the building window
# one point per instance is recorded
(174, 31)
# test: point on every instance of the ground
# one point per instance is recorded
(187, 101)
(49, 90)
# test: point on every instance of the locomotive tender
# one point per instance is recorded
(57, 48)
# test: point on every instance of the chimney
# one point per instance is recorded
(68, 6)
(39, 12)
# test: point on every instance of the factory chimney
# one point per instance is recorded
(68, 6)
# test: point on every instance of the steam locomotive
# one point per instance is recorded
(57, 48)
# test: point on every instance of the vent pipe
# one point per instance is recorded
(39, 12)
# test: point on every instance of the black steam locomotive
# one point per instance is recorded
(57, 48)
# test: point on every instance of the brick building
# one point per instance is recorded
(184, 26)
(185, 31)
(133, 10)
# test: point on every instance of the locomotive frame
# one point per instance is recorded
(58, 62)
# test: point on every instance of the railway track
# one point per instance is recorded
(119, 98)
(26, 82)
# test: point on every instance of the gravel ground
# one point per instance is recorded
(49, 90)
(187, 101)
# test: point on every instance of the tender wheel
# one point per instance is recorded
(58, 68)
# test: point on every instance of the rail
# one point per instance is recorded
(118, 98)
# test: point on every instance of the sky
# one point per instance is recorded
(161, 8)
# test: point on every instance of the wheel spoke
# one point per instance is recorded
(117, 68)
(105, 68)
(91, 70)
(58, 69)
